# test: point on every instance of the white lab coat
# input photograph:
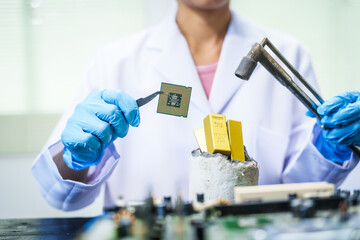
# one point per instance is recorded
(155, 156)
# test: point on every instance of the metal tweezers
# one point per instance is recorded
(295, 89)
(142, 101)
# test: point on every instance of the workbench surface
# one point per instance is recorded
(44, 228)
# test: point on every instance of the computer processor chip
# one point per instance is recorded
(175, 101)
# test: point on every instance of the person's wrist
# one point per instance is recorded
(332, 151)
(76, 162)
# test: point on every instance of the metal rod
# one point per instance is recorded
(293, 70)
(272, 66)
(284, 78)
(259, 54)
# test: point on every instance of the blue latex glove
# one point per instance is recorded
(340, 116)
(96, 122)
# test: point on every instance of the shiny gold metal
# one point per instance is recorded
(236, 140)
(217, 140)
(200, 138)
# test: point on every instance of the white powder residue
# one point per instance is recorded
(216, 176)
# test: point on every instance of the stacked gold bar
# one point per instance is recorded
(217, 139)
(217, 136)
(201, 139)
(236, 140)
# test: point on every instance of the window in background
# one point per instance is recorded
(12, 56)
(45, 45)
(328, 28)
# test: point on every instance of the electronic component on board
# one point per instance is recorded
(282, 191)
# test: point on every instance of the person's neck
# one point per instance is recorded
(204, 31)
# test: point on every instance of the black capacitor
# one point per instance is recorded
(188, 208)
(168, 205)
(161, 211)
(354, 198)
(345, 194)
(356, 193)
(337, 192)
(167, 199)
(199, 228)
(124, 227)
(200, 197)
(292, 196)
(307, 209)
(303, 208)
(295, 206)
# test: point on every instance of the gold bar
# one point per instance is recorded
(217, 140)
(236, 140)
(200, 138)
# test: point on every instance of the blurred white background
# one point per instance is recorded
(45, 45)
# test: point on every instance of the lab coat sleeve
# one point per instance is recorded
(67, 194)
(304, 163)
(310, 166)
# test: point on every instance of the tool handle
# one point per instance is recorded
(142, 101)
(355, 149)
(284, 78)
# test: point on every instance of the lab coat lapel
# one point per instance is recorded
(237, 43)
(175, 63)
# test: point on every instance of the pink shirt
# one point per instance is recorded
(207, 74)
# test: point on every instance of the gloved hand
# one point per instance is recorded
(340, 116)
(96, 122)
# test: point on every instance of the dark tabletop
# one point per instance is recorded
(45, 228)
